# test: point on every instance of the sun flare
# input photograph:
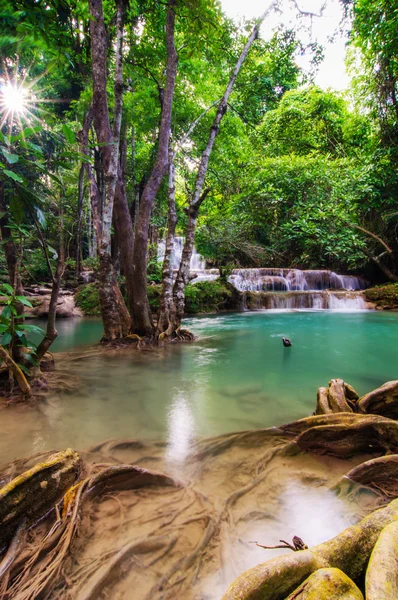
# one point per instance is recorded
(13, 98)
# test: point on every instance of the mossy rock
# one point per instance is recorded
(382, 573)
(207, 297)
(385, 297)
(87, 299)
(327, 584)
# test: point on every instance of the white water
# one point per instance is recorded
(257, 280)
(294, 289)
(310, 300)
(197, 263)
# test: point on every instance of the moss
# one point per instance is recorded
(154, 292)
(327, 584)
(87, 299)
(204, 297)
(385, 297)
(381, 575)
(207, 297)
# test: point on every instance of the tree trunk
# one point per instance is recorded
(51, 330)
(198, 196)
(124, 227)
(79, 223)
(142, 318)
(166, 315)
(113, 310)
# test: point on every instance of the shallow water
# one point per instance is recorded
(236, 376)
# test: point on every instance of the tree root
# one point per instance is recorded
(349, 551)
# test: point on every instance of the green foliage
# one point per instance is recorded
(206, 297)
(87, 299)
(154, 270)
(13, 331)
(154, 292)
(384, 296)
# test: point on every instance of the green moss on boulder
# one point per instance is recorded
(87, 299)
(385, 297)
(207, 297)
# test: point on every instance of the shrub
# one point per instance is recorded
(384, 296)
(87, 298)
(206, 296)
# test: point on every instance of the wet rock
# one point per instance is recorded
(382, 572)
(338, 397)
(327, 584)
(65, 306)
(382, 401)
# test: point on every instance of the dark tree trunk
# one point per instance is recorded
(143, 324)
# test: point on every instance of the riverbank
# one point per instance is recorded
(383, 297)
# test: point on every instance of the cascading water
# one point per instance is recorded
(197, 263)
(283, 289)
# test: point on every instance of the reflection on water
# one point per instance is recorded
(181, 432)
(236, 376)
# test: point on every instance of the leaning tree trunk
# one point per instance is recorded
(114, 313)
(199, 195)
(143, 324)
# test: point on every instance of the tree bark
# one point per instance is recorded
(124, 227)
(80, 200)
(114, 313)
(51, 330)
(198, 196)
(143, 324)
(166, 315)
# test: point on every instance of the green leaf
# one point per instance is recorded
(3, 328)
(6, 339)
(10, 158)
(24, 300)
(24, 369)
(13, 176)
(68, 133)
(33, 329)
(9, 289)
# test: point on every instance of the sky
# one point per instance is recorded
(332, 72)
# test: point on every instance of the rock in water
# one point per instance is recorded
(286, 342)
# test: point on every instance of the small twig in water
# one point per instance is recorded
(297, 545)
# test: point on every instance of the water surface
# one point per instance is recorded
(236, 376)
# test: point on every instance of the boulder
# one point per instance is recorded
(65, 306)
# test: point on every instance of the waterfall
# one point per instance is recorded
(197, 263)
(310, 300)
(257, 280)
(283, 289)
